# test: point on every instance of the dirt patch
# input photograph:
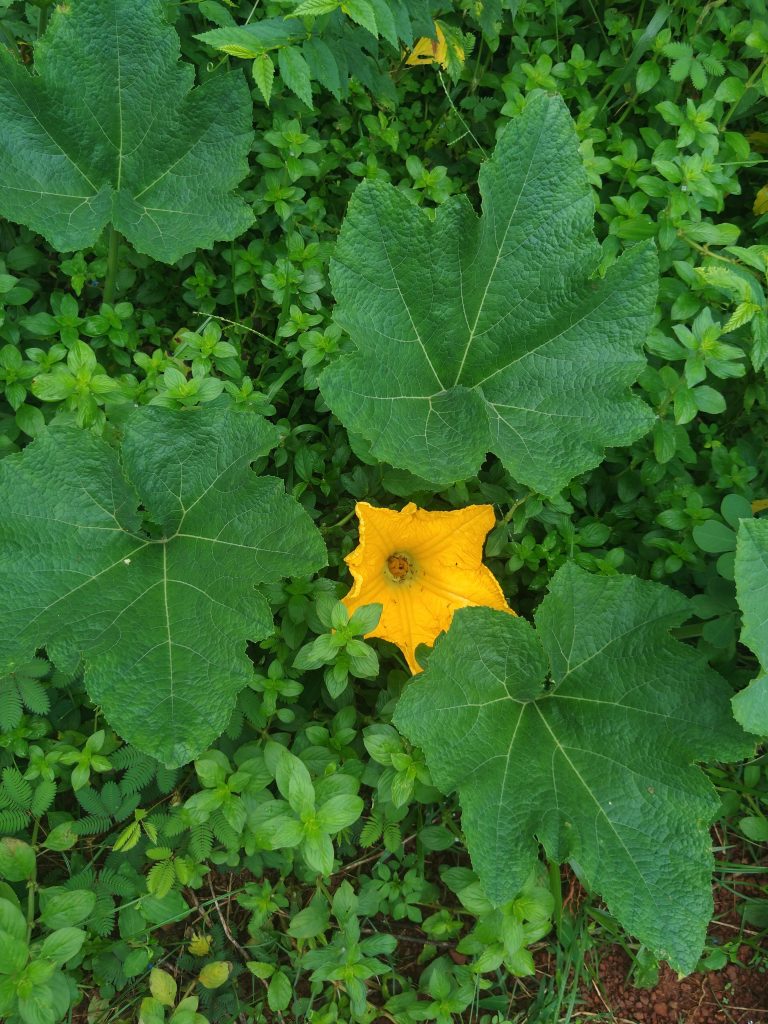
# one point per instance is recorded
(734, 995)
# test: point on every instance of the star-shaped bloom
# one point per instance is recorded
(420, 567)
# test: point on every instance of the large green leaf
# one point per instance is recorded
(148, 565)
(106, 129)
(488, 334)
(750, 706)
(582, 735)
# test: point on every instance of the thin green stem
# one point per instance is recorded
(342, 522)
(748, 85)
(515, 506)
(232, 278)
(32, 883)
(113, 251)
(457, 112)
(556, 888)
(599, 24)
(42, 19)
(235, 323)
(706, 250)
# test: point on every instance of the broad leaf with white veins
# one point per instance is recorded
(582, 735)
(108, 129)
(490, 334)
(750, 706)
(146, 565)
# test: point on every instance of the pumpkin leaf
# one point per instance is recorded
(108, 130)
(750, 706)
(420, 567)
(582, 735)
(146, 564)
(489, 334)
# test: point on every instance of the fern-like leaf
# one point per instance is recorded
(91, 802)
(161, 878)
(139, 775)
(235, 725)
(372, 830)
(116, 884)
(223, 831)
(713, 65)
(17, 788)
(43, 797)
(35, 695)
(200, 842)
(127, 806)
(13, 821)
(165, 778)
(393, 837)
(102, 919)
(10, 705)
(679, 51)
(92, 824)
(170, 825)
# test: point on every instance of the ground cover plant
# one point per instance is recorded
(383, 554)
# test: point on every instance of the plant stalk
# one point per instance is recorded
(556, 888)
(113, 251)
(747, 86)
(42, 19)
(32, 883)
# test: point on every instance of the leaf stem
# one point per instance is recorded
(706, 250)
(42, 19)
(113, 251)
(747, 86)
(253, 11)
(515, 506)
(32, 883)
(457, 112)
(342, 522)
(556, 888)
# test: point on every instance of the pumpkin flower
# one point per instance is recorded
(420, 567)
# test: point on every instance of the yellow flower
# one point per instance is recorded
(421, 566)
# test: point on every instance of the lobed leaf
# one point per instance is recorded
(109, 130)
(490, 334)
(147, 565)
(582, 735)
(750, 706)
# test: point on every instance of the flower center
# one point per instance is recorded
(399, 567)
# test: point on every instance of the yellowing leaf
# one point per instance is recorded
(199, 944)
(431, 51)
(421, 567)
(214, 975)
(162, 985)
(761, 201)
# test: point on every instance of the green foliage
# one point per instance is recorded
(33, 986)
(108, 132)
(210, 530)
(573, 760)
(750, 706)
(325, 43)
(477, 335)
(177, 873)
(341, 649)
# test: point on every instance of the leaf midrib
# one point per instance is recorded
(500, 247)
